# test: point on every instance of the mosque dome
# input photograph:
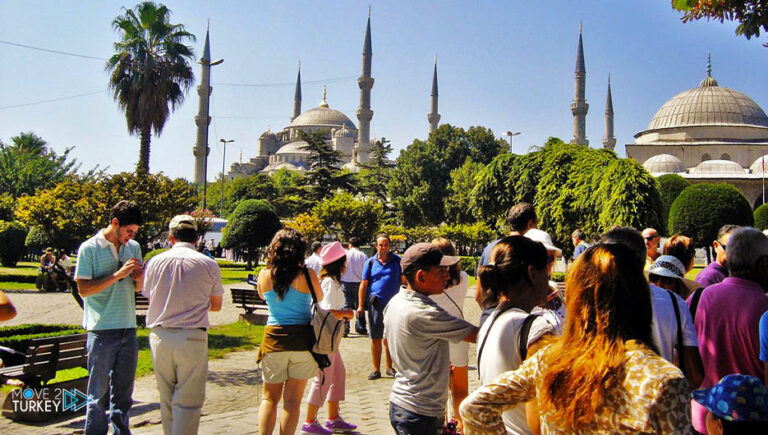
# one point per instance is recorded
(293, 148)
(757, 166)
(323, 117)
(706, 105)
(285, 165)
(268, 135)
(718, 167)
(344, 132)
(664, 163)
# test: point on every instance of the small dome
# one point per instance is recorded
(293, 148)
(344, 132)
(719, 167)
(285, 165)
(268, 135)
(664, 163)
(759, 164)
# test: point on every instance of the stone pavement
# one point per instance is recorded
(233, 392)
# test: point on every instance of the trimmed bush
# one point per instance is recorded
(226, 264)
(670, 187)
(469, 265)
(154, 253)
(17, 277)
(701, 209)
(761, 217)
(37, 240)
(12, 236)
(250, 227)
(18, 337)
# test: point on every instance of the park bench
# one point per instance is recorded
(142, 305)
(254, 306)
(46, 356)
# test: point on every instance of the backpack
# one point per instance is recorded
(327, 328)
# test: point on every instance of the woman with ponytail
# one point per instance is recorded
(286, 362)
(516, 275)
(604, 374)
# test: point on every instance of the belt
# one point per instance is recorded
(170, 327)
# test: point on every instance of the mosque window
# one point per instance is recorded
(725, 156)
(706, 157)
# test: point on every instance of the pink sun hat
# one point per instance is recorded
(331, 253)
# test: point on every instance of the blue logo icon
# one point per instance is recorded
(28, 393)
(74, 400)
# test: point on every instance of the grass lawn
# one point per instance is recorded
(22, 268)
(234, 275)
(12, 285)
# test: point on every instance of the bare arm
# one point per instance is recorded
(472, 337)
(88, 287)
(361, 296)
(343, 314)
(532, 407)
(7, 310)
(694, 369)
(216, 303)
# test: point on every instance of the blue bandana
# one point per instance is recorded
(735, 398)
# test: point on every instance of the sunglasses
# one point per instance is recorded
(650, 238)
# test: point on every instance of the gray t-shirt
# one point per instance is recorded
(418, 331)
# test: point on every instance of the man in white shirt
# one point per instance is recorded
(182, 286)
(314, 261)
(350, 280)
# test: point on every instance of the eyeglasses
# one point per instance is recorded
(650, 238)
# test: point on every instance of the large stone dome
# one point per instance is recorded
(664, 164)
(708, 104)
(718, 168)
(323, 117)
(293, 148)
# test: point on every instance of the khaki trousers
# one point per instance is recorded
(180, 358)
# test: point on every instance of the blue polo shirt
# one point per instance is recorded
(383, 279)
(115, 306)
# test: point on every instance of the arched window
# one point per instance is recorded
(725, 156)
(706, 157)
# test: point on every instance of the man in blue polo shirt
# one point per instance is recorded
(381, 281)
(109, 271)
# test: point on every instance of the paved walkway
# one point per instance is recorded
(234, 382)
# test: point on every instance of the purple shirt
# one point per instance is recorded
(727, 326)
(712, 274)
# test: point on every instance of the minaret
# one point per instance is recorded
(202, 119)
(609, 141)
(364, 112)
(579, 106)
(433, 116)
(297, 96)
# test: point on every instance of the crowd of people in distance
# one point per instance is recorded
(629, 344)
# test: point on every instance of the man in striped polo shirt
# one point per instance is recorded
(109, 271)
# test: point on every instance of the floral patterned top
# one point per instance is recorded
(654, 398)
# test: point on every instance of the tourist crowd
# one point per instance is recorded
(629, 344)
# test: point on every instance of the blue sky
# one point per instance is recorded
(507, 65)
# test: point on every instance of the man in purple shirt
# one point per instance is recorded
(728, 317)
(717, 270)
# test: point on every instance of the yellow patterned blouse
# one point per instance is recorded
(655, 398)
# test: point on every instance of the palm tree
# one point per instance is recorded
(149, 70)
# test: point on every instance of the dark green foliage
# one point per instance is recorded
(37, 240)
(458, 200)
(375, 174)
(346, 216)
(250, 227)
(670, 186)
(18, 337)
(701, 209)
(28, 165)
(324, 176)
(154, 253)
(7, 207)
(469, 265)
(752, 15)
(12, 236)
(761, 217)
(18, 277)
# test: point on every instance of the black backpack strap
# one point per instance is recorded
(679, 331)
(524, 332)
(695, 301)
(495, 315)
(309, 284)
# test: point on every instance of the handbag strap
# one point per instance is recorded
(496, 314)
(679, 331)
(309, 284)
(524, 332)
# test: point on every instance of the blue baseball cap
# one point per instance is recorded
(735, 398)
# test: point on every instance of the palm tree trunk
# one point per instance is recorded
(143, 164)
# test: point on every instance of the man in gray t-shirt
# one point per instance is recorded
(418, 332)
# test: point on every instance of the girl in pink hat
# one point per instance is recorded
(330, 382)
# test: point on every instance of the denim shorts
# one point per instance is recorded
(376, 317)
(406, 422)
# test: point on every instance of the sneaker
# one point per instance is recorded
(339, 425)
(314, 428)
(361, 329)
(374, 375)
(391, 373)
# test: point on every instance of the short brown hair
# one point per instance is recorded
(682, 248)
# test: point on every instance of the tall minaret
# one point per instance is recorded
(202, 119)
(433, 116)
(364, 112)
(609, 141)
(579, 106)
(297, 96)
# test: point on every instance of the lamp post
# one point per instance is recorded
(511, 135)
(223, 158)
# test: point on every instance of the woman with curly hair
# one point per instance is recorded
(284, 354)
(603, 375)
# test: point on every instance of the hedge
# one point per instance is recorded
(18, 337)
(469, 265)
(761, 217)
(17, 277)
(154, 253)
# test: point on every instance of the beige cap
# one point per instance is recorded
(182, 221)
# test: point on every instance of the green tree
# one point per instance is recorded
(752, 15)
(37, 240)
(309, 225)
(701, 209)
(150, 71)
(670, 186)
(12, 235)
(458, 207)
(324, 176)
(7, 207)
(28, 165)
(250, 228)
(761, 217)
(346, 216)
(374, 176)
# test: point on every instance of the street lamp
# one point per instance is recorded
(223, 158)
(511, 135)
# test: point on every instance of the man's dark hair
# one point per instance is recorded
(629, 237)
(384, 235)
(354, 242)
(126, 213)
(519, 216)
(579, 234)
(316, 245)
(188, 235)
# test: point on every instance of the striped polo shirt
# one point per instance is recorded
(115, 306)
